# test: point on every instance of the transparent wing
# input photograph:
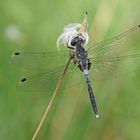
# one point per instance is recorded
(42, 82)
(49, 68)
(113, 67)
(116, 56)
(45, 69)
(40, 61)
(116, 45)
(47, 81)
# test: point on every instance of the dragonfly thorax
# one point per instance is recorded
(80, 58)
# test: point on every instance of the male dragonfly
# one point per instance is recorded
(104, 59)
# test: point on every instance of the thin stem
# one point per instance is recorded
(50, 103)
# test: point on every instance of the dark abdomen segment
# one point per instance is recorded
(91, 96)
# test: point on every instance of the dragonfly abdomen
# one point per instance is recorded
(91, 96)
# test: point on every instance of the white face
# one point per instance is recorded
(69, 33)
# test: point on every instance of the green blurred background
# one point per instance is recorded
(34, 26)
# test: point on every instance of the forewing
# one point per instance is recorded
(40, 61)
(116, 45)
(116, 56)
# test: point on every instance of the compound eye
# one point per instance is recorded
(74, 41)
(82, 40)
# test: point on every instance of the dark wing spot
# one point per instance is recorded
(17, 53)
(139, 25)
(23, 80)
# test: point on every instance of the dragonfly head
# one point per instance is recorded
(81, 37)
(74, 34)
(78, 40)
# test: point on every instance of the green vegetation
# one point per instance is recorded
(35, 26)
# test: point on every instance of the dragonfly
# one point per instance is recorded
(109, 58)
